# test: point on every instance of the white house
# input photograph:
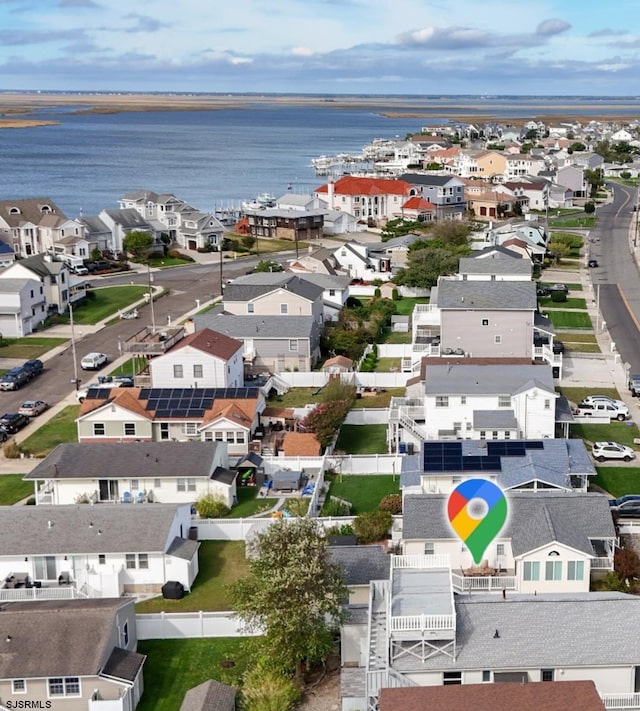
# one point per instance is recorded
(360, 261)
(104, 551)
(495, 264)
(22, 306)
(149, 472)
(204, 359)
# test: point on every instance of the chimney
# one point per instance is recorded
(330, 194)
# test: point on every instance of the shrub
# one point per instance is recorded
(336, 507)
(11, 450)
(589, 207)
(377, 293)
(268, 690)
(391, 503)
(297, 507)
(345, 530)
(211, 506)
(558, 297)
(372, 526)
(626, 563)
(395, 294)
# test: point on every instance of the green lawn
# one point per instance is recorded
(294, 397)
(362, 439)
(364, 492)
(381, 399)
(576, 337)
(388, 365)
(248, 504)
(570, 303)
(13, 489)
(622, 432)
(108, 300)
(404, 306)
(579, 394)
(221, 562)
(174, 666)
(570, 319)
(582, 347)
(162, 262)
(390, 336)
(618, 481)
(60, 428)
(133, 366)
(574, 222)
(29, 347)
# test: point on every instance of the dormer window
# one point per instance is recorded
(45, 208)
(14, 210)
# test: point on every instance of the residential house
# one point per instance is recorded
(362, 261)
(22, 306)
(586, 159)
(271, 343)
(121, 222)
(476, 398)
(536, 696)
(154, 472)
(491, 204)
(374, 200)
(484, 164)
(204, 359)
(228, 415)
(189, 227)
(339, 222)
(7, 255)
(315, 261)
(495, 264)
(572, 177)
(446, 192)
(335, 290)
(299, 202)
(359, 566)
(281, 223)
(531, 194)
(70, 654)
(102, 551)
(97, 236)
(33, 225)
(55, 277)
(211, 695)
(521, 164)
(529, 465)
(418, 209)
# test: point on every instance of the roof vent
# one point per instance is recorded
(496, 635)
(8, 638)
(49, 524)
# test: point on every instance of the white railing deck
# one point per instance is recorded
(602, 563)
(420, 562)
(484, 583)
(621, 701)
(422, 623)
(67, 592)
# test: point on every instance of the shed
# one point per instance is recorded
(286, 480)
(210, 696)
(337, 364)
(400, 324)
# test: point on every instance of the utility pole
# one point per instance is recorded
(597, 308)
(153, 315)
(76, 381)
(221, 284)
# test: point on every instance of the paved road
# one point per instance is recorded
(618, 277)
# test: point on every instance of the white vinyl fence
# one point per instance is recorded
(236, 529)
(363, 464)
(367, 416)
(319, 380)
(183, 625)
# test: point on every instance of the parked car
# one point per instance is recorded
(80, 271)
(616, 410)
(634, 385)
(592, 263)
(559, 287)
(35, 367)
(612, 450)
(623, 499)
(629, 510)
(15, 378)
(593, 399)
(33, 408)
(129, 314)
(13, 422)
(94, 361)
(543, 291)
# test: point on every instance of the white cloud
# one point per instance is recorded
(302, 52)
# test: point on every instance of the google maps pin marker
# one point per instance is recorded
(477, 511)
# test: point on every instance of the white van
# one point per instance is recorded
(93, 361)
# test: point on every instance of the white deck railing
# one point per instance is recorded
(484, 583)
(621, 701)
(21, 594)
(422, 623)
(420, 562)
(602, 563)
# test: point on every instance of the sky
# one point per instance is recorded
(525, 47)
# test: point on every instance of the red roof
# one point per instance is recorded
(418, 203)
(211, 342)
(350, 185)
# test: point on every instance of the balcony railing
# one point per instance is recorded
(484, 583)
(602, 563)
(420, 562)
(422, 623)
(621, 701)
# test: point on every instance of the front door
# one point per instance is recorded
(108, 490)
(44, 567)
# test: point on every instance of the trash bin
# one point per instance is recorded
(402, 449)
(193, 533)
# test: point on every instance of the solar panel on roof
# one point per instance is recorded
(161, 414)
(144, 393)
(534, 445)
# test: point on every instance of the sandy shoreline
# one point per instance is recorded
(14, 104)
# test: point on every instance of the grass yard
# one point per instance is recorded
(570, 303)
(388, 365)
(576, 337)
(248, 504)
(29, 347)
(221, 562)
(379, 399)
(60, 428)
(268, 246)
(579, 394)
(108, 301)
(294, 397)
(404, 306)
(582, 348)
(570, 319)
(618, 481)
(13, 489)
(622, 432)
(390, 336)
(174, 666)
(362, 439)
(133, 366)
(364, 492)
(163, 262)
(578, 222)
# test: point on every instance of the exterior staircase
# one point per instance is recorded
(411, 425)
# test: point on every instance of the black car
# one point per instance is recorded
(15, 378)
(632, 510)
(593, 263)
(34, 367)
(558, 347)
(13, 422)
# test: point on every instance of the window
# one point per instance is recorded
(547, 404)
(67, 686)
(177, 371)
(531, 570)
(483, 434)
(284, 308)
(197, 371)
(157, 483)
(553, 570)
(129, 429)
(575, 570)
(293, 344)
(442, 401)
(219, 436)
(500, 549)
(251, 308)
(135, 484)
(230, 436)
(429, 548)
(332, 292)
(497, 339)
(164, 430)
(452, 677)
(507, 434)
(131, 561)
(143, 561)
(18, 686)
(504, 400)
(102, 559)
(485, 321)
(486, 676)
(125, 634)
(190, 428)
(463, 399)
(546, 675)
(494, 434)
(99, 429)
(240, 438)
(186, 484)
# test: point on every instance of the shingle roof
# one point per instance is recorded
(183, 548)
(30, 210)
(361, 564)
(259, 327)
(424, 179)
(567, 518)
(93, 224)
(224, 475)
(494, 419)
(123, 664)
(11, 286)
(78, 529)
(50, 639)
(211, 342)
(115, 460)
(450, 379)
(537, 696)
(495, 264)
(210, 696)
(246, 290)
(127, 217)
(494, 295)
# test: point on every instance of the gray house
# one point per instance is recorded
(446, 192)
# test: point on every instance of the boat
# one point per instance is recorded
(261, 202)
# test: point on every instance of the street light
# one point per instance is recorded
(153, 315)
(76, 380)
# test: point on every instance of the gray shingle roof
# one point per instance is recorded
(247, 288)
(424, 179)
(115, 460)
(361, 564)
(490, 295)
(257, 327)
(76, 529)
(93, 224)
(224, 475)
(11, 286)
(568, 518)
(127, 217)
(49, 638)
(494, 419)
(495, 264)
(123, 664)
(541, 632)
(487, 379)
(210, 696)
(183, 548)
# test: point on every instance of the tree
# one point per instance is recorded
(137, 243)
(325, 420)
(425, 266)
(294, 593)
(211, 506)
(264, 689)
(372, 526)
(595, 178)
(267, 265)
(589, 207)
(626, 563)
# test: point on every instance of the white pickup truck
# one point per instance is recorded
(613, 409)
